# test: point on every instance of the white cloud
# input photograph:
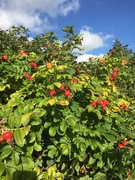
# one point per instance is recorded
(86, 57)
(34, 14)
(93, 40)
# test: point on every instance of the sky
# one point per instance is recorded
(100, 21)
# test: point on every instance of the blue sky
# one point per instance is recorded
(100, 21)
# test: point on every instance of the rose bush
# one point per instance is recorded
(61, 119)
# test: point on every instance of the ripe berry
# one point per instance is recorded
(33, 64)
(114, 74)
(5, 58)
(28, 76)
(23, 53)
(78, 71)
(120, 146)
(93, 104)
(67, 93)
(105, 101)
(111, 78)
(123, 106)
(103, 105)
(7, 135)
(125, 143)
(99, 101)
(75, 80)
(52, 92)
(115, 70)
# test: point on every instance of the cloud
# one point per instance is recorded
(34, 15)
(86, 57)
(93, 40)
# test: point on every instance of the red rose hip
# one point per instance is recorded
(67, 93)
(125, 143)
(7, 135)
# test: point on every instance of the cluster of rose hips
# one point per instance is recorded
(114, 74)
(7, 136)
(103, 103)
(124, 143)
(28, 76)
(33, 64)
(23, 53)
(4, 58)
(67, 92)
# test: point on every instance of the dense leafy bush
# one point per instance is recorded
(61, 119)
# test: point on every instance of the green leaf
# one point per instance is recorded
(39, 112)
(9, 172)
(15, 157)
(132, 152)
(71, 71)
(52, 152)
(74, 106)
(28, 108)
(32, 137)
(91, 160)
(52, 131)
(50, 162)
(37, 147)
(64, 148)
(2, 168)
(63, 126)
(13, 102)
(51, 87)
(76, 87)
(100, 176)
(25, 119)
(19, 137)
(70, 119)
(100, 163)
(6, 152)
(43, 175)
(98, 113)
(82, 147)
(27, 163)
(71, 122)
(47, 124)
(110, 137)
(133, 173)
(57, 84)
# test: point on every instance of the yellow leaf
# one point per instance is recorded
(64, 103)
(123, 101)
(105, 93)
(114, 88)
(107, 111)
(51, 171)
(25, 118)
(61, 67)
(115, 109)
(3, 87)
(52, 102)
(109, 82)
(59, 176)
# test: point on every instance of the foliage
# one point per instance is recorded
(63, 119)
